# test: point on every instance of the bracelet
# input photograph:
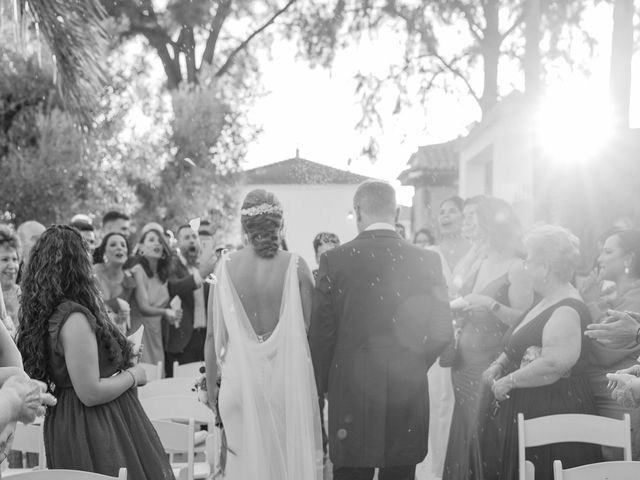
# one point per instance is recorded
(135, 383)
(512, 380)
(638, 336)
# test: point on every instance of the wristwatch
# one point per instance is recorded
(495, 308)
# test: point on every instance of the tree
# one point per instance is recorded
(621, 54)
(76, 38)
(211, 73)
(490, 38)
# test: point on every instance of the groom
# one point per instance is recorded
(380, 319)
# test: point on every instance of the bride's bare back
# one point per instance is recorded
(259, 283)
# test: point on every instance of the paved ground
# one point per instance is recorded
(423, 471)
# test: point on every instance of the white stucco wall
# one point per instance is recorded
(309, 209)
(509, 145)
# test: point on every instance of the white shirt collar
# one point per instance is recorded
(380, 226)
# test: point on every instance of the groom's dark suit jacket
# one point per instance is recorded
(380, 319)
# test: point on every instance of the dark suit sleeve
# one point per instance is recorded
(182, 286)
(324, 325)
(440, 332)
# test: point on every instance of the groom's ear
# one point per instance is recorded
(358, 214)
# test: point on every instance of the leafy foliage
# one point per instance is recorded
(464, 47)
(75, 34)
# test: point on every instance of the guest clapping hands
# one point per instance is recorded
(625, 386)
(615, 332)
(617, 328)
(23, 400)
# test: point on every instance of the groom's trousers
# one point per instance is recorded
(386, 473)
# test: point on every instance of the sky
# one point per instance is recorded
(316, 110)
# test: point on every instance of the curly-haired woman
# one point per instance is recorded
(67, 341)
(268, 401)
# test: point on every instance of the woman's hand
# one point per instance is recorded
(29, 397)
(632, 370)
(626, 389)
(173, 316)
(619, 328)
(492, 374)
(591, 289)
(501, 388)
(139, 374)
(478, 303)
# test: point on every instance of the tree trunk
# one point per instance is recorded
(531, 65)
(620, 70)
(491, 56)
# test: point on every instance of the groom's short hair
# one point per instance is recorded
(375, 197)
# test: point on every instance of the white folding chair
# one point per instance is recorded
(181, 386)
(178, 438)
(572, 427)
(153, 371)
(598, 471)
(67, 475)
(180, 408)
(29, 439)
(191, 370)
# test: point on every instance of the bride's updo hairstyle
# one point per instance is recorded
(261, 218)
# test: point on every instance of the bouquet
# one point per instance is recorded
(200, 387)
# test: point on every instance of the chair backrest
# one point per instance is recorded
(177, 407)
(168, 386)
(67, 475)
(154, 371)
(191, 370)
(30, 439)
(572, 427)
(178, 438)
(598, 471)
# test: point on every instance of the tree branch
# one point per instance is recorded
(467, 13)
(453, 69)
(516, 23)
(189, 50)
(225, 67)
(224, 8)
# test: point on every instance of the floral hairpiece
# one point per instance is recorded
(262, 209)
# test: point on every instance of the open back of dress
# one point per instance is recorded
(268, 401)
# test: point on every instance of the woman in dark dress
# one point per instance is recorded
(542, 370)
(67, 341)
(495, 292)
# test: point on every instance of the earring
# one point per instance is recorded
(626, 269)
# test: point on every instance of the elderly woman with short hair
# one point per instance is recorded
(542, 370)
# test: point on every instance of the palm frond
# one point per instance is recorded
(75, 33)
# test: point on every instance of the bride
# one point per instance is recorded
(260, 309)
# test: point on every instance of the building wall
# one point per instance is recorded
(499, 162)
(426, 204)
(309, 209)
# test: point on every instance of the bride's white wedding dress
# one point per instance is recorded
(268, 401)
